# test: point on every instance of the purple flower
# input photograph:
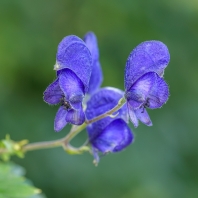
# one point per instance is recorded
(74, 66)
(96, 75)
(144, 85)
(74, 54)
(110, 134)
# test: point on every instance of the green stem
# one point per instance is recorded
(73, 132)
(56, 143)
(42, 145)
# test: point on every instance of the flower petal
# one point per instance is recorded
(75, 55)
(91, 42)
(76, 117)
(115, 137)
(53, 93)
(149, 56)
(149, 90)
(143, 116)
(132, 115)
(96, 78)
(101, 102)
(96, 75)
(135, 98)
(60, 119)
(72, 87)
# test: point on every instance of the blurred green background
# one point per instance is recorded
(163, 161)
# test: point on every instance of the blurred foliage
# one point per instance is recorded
(163, 160)
(14, 185)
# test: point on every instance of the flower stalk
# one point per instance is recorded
(64, 142)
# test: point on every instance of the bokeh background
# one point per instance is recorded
(163, 161)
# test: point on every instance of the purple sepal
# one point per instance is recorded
(132, 115)
(96, 78)
(149, 56)
(96, 75)
(143, 116)
(76, 117)
(100, 102)
(115, 137)
(52, 95)
(92, 43)
(139, 114)
(60, 119)
(74, 54)
(103, 100)
(148, 91)
(72, 87)
(64, 116)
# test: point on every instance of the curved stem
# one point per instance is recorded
(56, 143)
(73, 132)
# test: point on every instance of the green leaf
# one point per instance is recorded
(13, 184)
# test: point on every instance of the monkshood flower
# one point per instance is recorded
(73, 66)
(144, 85)
(96, 75)
(110, 134)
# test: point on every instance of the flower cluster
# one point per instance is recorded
(77, 90)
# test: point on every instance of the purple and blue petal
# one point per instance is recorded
(60, 119)
(96, 75)
(74, 54)
(92, 43)
(149, 56)
(115, 137)
(149, 90)
(76, 117)
(101, 102)
(53, 93)
(64, 116)
(143, 116)
(72, 87)
(139, 114)
(96, 78)
(132, 115)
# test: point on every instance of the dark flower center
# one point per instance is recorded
(65, 103)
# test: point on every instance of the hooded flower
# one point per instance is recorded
(96, 75)
(144, 83)
(110, 134)
(73, 66)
